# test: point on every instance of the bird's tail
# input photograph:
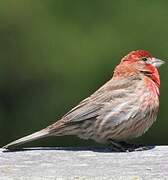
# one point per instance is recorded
(37, 135)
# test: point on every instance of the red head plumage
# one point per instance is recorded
(139, 61)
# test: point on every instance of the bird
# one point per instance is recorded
(124, 108)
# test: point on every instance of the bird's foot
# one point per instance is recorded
(127, 147)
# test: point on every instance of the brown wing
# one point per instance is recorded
(91, 107)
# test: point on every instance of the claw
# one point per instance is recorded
(127, 147)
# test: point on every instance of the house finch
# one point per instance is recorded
(123, 108)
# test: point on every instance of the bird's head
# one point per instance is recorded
(140, 61)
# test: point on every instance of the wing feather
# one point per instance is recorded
(92, 106)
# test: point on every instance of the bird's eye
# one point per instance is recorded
(144, 59)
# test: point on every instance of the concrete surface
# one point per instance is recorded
(83, 163)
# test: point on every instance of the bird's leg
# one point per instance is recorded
(116, 146)
(135, 147)
(129, 145)
(126, 147)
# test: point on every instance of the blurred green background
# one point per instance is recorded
(55, 53)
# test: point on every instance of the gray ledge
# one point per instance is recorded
(83, 163)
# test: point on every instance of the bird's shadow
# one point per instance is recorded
(93, 149)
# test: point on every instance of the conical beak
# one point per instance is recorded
(156, 62)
